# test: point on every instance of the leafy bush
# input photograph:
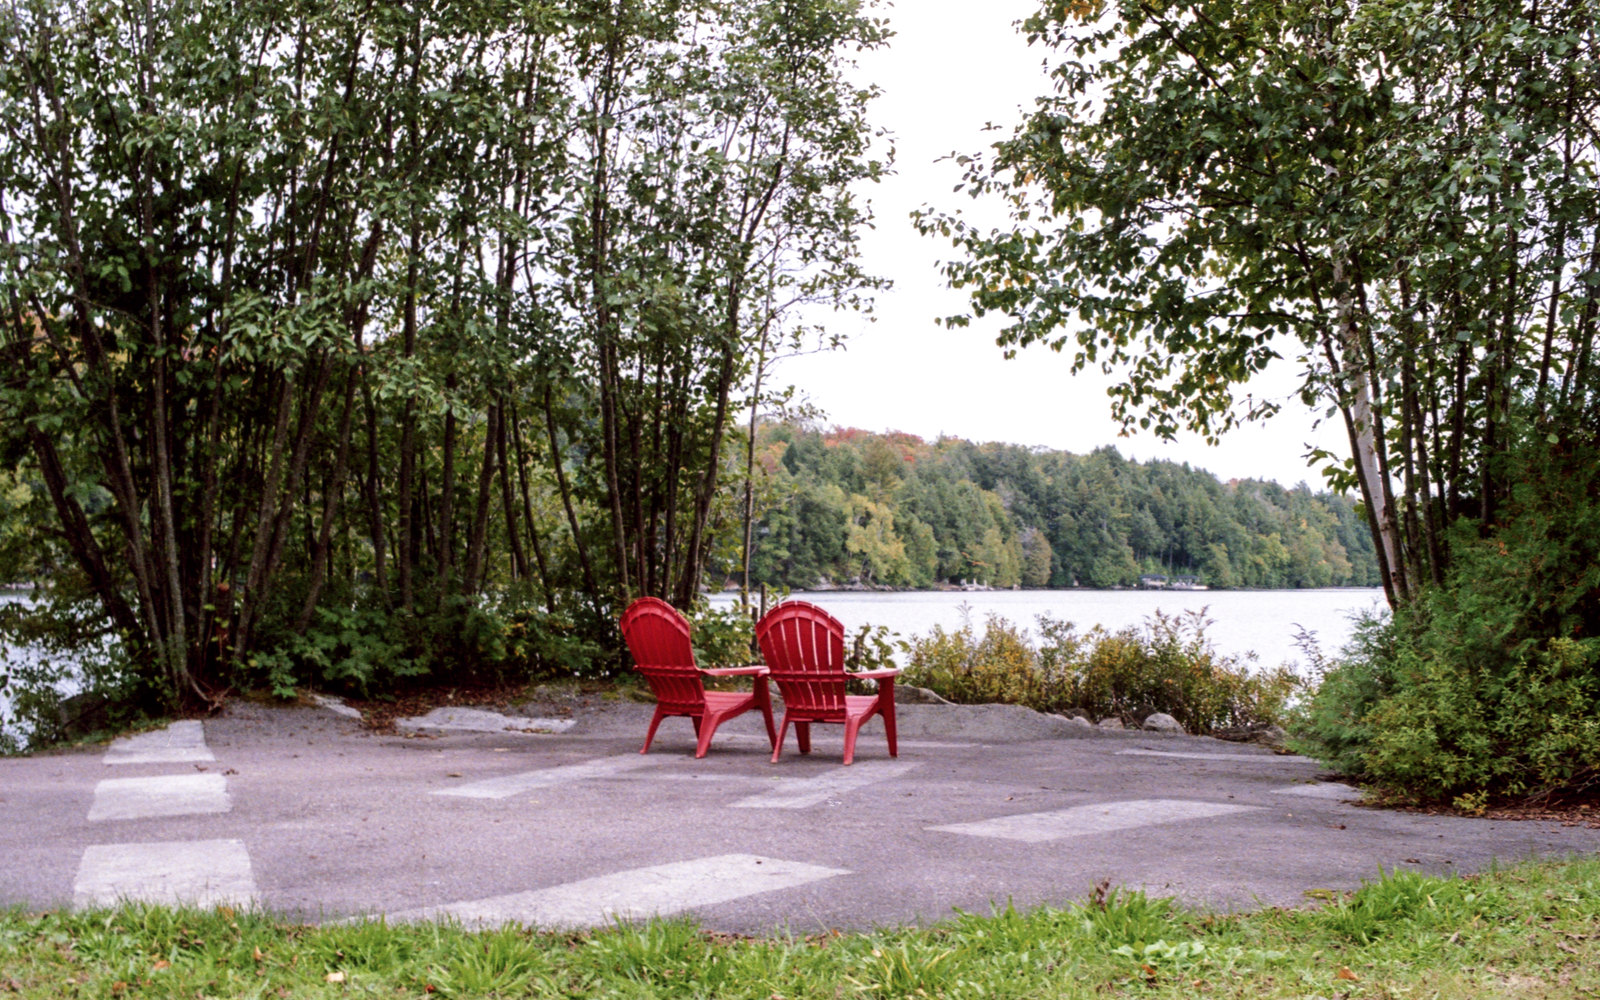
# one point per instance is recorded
(366, 649)
(1166, 665)
(1331, 724)
(723, 637)
(1484, 688)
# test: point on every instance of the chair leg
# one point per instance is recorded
(851, 728)
(783, 730)
(764, 703)
(886, 709)
(705, 728)
(655, 723)
(802, 731)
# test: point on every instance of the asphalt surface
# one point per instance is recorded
(302, 811)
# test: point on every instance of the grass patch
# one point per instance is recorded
(1528, 931)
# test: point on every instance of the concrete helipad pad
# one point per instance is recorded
(331, 820)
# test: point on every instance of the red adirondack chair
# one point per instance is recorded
(658, 637)
(804, 649)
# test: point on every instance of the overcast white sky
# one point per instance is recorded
(953, 67)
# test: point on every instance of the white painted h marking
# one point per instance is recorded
(801, 793)
(166, 795)
(1104, 817)
(514, 784)
(640, 893)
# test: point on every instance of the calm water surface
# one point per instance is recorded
(1263, 622)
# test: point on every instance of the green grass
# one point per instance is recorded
(1528, 931)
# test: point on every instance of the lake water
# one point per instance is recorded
(10, 658)
(1263, 622)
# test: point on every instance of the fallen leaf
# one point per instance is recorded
(1345, 973)
(161, 964)
(335, 977)
(1569, 949)
(1148, 971)
(453, 774)
(258, 956)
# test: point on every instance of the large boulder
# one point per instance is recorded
(1263, 733)
(909, 694)
(983, 723)
(1161, 722)
(82, 714)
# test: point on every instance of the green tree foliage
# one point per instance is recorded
(337, 334)
(892, 510)
(1402, 198)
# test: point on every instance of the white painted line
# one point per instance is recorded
(631, 895)
(1104, 817)
(477, 720)
(1321, 790)
(747, 779)
(1259, 758)
(196, 873)
(179, 743)
(908, 744)
(336, 706)
(515, 784)
(167, 795)
(801, 793)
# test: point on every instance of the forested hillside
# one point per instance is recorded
(849, 506)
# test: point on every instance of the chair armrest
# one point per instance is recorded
(876, 675)
(754, 670)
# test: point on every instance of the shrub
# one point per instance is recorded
(1001, 666)
(365, 649)
(1166, 665)
(723, 637)
(1484, 687)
